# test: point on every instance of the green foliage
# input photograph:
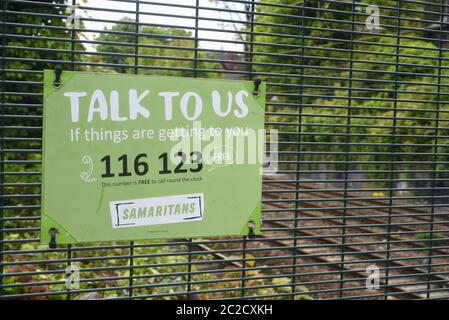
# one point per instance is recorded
(161, 51)
(379, 88)
(428, 236)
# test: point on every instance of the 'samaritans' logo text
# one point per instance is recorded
(160, 210)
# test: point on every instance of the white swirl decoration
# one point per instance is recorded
(87, 175)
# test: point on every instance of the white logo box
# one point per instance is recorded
(158, 210)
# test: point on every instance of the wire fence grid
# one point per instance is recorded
(359, 93)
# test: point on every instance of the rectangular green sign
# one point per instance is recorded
(129, 157)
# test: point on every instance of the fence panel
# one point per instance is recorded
(359, 94)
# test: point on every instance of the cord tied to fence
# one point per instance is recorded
(251, 226)
(57, 81)
(257, 83)
(52, 244)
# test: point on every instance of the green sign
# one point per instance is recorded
(129, 157)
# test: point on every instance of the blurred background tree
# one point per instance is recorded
(161, 51)
(364, 96)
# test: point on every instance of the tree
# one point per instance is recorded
(380, 88)
(161, 51)
(35, 38)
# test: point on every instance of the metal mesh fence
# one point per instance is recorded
(358, 92)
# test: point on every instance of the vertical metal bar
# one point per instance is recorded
(195, 74)
(195, 52)
(443, 12)
(136, 38)
(131, 269)
(189, 269)
(2, 143)
(136, 71)
(69, 263)
(72, 67)
(393, 149)
(244, 265)
(250, 57)
(298, 149)
(251, 40)
(347, 151)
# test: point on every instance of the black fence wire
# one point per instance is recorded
(358, 91)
